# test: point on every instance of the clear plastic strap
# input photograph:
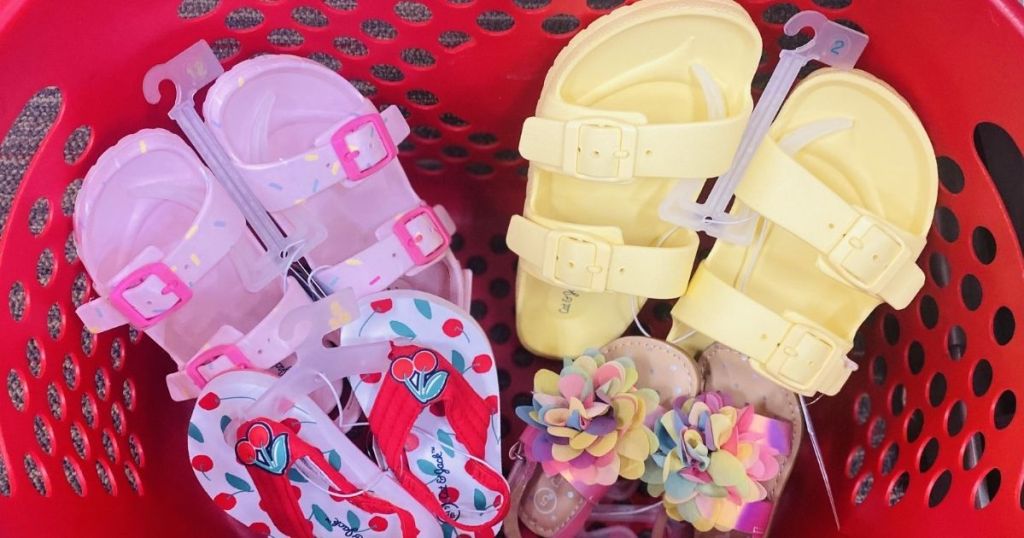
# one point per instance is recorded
(832, 44)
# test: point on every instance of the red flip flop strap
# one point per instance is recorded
(279, 499)
(471, 417)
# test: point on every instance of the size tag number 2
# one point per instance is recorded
(837, 46)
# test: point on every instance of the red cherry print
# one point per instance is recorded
(452, 327)
(437, 409)
(482, 363)
(202, 463)
(492, 404)
(378, 524)
(260, 529)
(411, 443)
(370, 378)
(246, 452)
(209, 402)
(448, 495)
(498, 499)
(297, 492)
(225, 501)
(402, 369)
(259, 436)
(381, 306)
(292, 424)
(424, 361)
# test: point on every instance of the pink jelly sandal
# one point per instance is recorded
(170, 254)
(741, 435)
(295, 474)
(434, 412)
(318, 155)
(586, 428)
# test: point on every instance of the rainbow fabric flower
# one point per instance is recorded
(591, 420)
(710, 462)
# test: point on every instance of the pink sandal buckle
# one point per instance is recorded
(348, 156)
(173, 284)
(411, 244)
(231, 351)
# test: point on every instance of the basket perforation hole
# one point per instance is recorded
(106, 478)
(128, 394)
(956, 342)
(970, 292)
(365, 87)
(79, 289)
(17, 301)
(1005, 409)
(981, 377)
(39, 216)
(453, 120)
(495, 21)
(940, 488)
(79, 441)
(134, 334)
(507, 155)
(956, 418)
(560, 24)
(350, 46)
(862, 409)
(117, 418)
(983, 243)
(226, 48)
(379, 29)
(44, 434)
(20, 143)
(937, 389)
(1003, 325)
(73, 474)
(915, 424)
(341, 5)
(37, 475)
(70, 249)
(67, 201)
(455, 152)
(244, 18)
(5, 479)
(863, 489)
(286, 38)
(413, 12)
(987, 488)
(531, 4)
(891, 329)
(779, 13)
(898, 400)
(604, 5)
(55, 401)
(833, 4)
(46, 265)
(879, 370)
(387, 73)
(54, 321)
(899, 488)
(101, 382)
(16, 390)
(930, 453)
(454, 39)
(132, 478)
(117, 354)
(877, 432)
(792, 42)
(109, 445)
(950, 174)
(938, 266)
(855, 462)
(1005, 165)
(929, 311)
(89, 410)
(87, 342)
(309, 16)
(947, 224)
(191, 9)
(76, 144)
(34, 356)
(135, 450)
(889, 457)
(418, 57)
(915, 357)
(483, 139)
(974, 449)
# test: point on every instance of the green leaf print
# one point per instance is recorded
(296, 476)
(353, 520)
(321, 517)
(479, 500)
(458, 361)
(224, 421)
(448, 530)
(402, 329)
(237, 483)
(424, 308)
(193, 432)
(334, 460)
(426, 467)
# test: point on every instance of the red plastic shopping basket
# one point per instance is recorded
(924, 438)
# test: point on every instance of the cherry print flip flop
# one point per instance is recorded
(296, 475)
(434, 414)
(322, 159)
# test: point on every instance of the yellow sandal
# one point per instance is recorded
(846, 184)
(646, 95)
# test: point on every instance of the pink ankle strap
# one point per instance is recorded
(414, 240)
(351, 151)
(154, 285)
